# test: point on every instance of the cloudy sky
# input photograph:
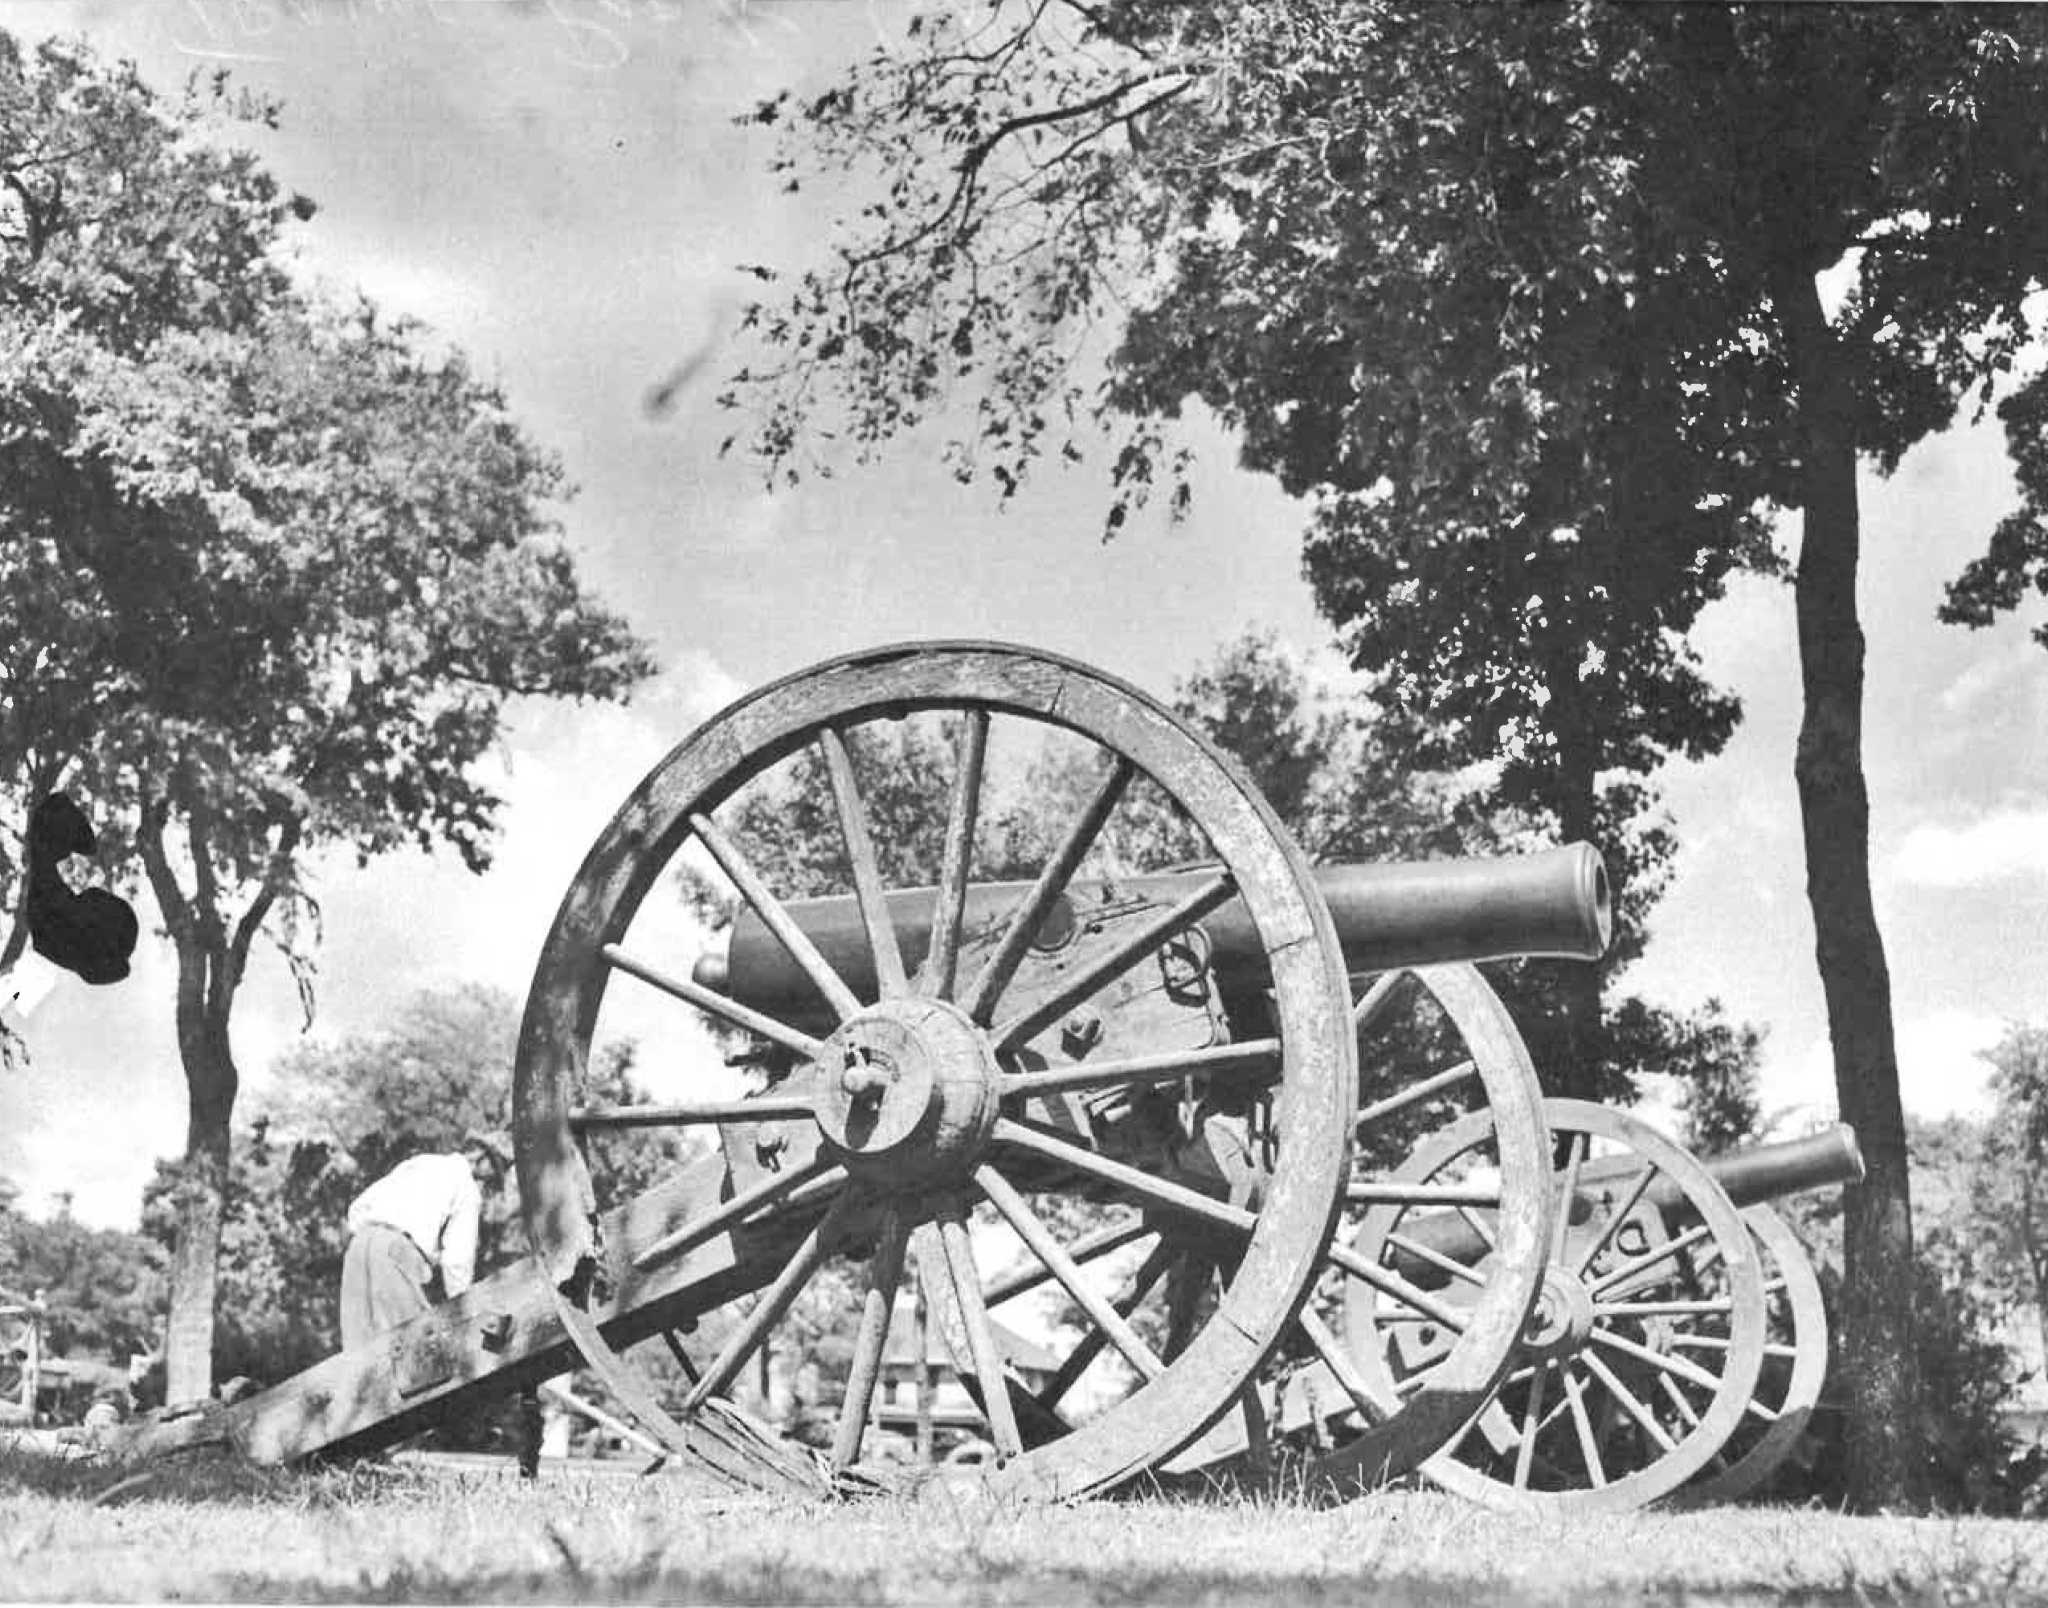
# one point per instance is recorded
(558, 187)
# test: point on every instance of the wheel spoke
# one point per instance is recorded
(1660, 1309)
(1085, 1249)
(1092, 978)
(1589, 1447)
(1577, 1149)
(1450, 1266)
(775, 917)
(1395, 1287)
(748, 1201)
(1434, 1084)
(1676, 1397)
(606, 1421)
(1615, 1277)
(1001, 966)
(1484, 1230)
(1250, 1056)
(774, 1302)
(981, 1339)
(878, 1306)
(1040, 1242)
(675, 1349)
(950, 904)
(1159, 1191)
(1691, 1372)
(1375, 999)
(1090, 1345)
(730, 1011)
(1614, 1219)
(760, 1108)
(1373, 1407)
(868, 891)
(1645, 1419)
(1532, 1425)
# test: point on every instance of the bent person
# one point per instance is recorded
(412, 1236)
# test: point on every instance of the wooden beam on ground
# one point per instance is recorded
(499, 1335)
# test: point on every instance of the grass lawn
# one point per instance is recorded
(217, 1530)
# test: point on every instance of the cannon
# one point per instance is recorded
(1113, 1109)
(1145, 1148)
(1004, 1080)
(1675, 1349)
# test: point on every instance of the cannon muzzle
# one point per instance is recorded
(1420, 913)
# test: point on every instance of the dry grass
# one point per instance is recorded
(213, 1529)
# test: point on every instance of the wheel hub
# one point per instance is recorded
(1561, 1319)
(909, 1092)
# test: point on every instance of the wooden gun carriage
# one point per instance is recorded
(1251, 1146)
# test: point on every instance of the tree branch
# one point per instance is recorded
(163, 882)
(977, 156)
(208, 928)
(277, 877)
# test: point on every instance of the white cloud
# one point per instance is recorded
(2008, 842)
(448, 303)
(1942, 1070)
(1799, 1088)
(1996, 674)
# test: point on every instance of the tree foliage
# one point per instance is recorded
(103, 1287)
(1972, 1297)
(2012, 1186)
(274, 565)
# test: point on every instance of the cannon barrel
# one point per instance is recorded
(1749, 1177)
(1387, 916)
(1765, 1172)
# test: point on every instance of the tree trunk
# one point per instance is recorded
(211, 963)
(210, 1083)
(1879, 1361)
(2036, 1253)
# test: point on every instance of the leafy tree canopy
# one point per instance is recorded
(272, 567)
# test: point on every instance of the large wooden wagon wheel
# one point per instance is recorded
(917, 1093)
(1643, 1352)
(1437, 1049)
(1795, 1366)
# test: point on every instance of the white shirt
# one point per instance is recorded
(434, 1202)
